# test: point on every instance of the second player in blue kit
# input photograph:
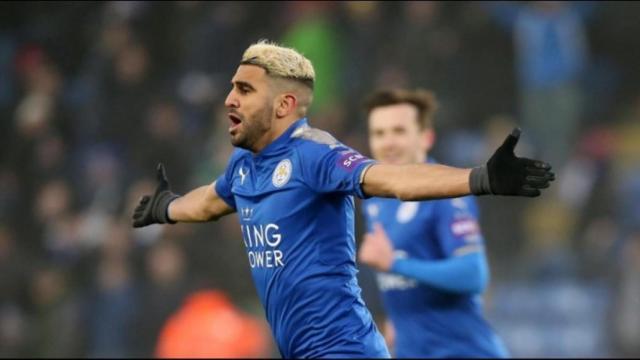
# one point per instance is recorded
(430, 254)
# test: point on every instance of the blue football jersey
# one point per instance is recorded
(295, 204)
(431, 322)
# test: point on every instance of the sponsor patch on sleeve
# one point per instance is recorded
(465, 228)
(350, 158)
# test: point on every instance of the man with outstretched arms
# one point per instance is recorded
(292, 187)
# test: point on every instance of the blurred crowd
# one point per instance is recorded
(94, 94)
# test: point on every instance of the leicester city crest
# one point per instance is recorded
(282, 173)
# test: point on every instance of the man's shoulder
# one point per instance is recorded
(314, 139)
(314, 144)
(314, 135)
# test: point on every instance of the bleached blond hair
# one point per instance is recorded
(280, 61)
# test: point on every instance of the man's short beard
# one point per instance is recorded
(254, 128)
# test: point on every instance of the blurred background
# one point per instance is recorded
(94, 94)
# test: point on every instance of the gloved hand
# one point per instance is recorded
(506, 174)
(153, 209)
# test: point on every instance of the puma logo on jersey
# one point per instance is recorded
(242, 174)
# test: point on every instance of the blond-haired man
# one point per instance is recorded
(293, 186)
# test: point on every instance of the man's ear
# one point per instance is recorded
(428, 138)
(287, 103)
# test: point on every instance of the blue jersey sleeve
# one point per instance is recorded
(466, 274)
(224, 181)
(457, 227)
(334, 169)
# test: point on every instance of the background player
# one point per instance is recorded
(292, 187)
(430, 254)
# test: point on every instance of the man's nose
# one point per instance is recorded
(387, 142)
(231, 101)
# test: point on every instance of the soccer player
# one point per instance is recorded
(429, 254)
(292, 187)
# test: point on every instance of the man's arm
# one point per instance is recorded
(201, 204)
(465, 274)
(504, 174)
(416, 181)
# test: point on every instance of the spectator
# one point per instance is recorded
(551, 46)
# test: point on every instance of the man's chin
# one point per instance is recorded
(395, 161)
(239, 141)
(236, 141)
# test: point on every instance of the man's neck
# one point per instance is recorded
(278, 127)
(421, 157)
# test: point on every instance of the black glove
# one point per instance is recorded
(506, 174)
(153, 210)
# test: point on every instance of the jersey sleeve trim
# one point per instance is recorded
(361, 171)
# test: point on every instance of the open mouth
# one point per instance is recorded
(234, 121)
